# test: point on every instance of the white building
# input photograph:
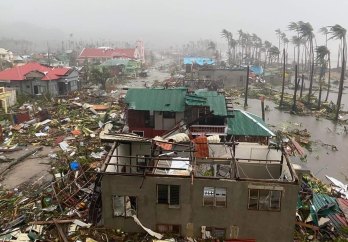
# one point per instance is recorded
(6, 55)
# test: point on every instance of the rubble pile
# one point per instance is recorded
(321, 212)
(64, 134)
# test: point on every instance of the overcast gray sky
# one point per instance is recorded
(162, 22)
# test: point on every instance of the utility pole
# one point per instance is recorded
(262, 98)
(48, 55)
(246, 88)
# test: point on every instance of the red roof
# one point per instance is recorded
(18, 73)
(107, 53)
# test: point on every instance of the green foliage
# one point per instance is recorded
(99, 75)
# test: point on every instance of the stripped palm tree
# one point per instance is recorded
(322, 59)
(240, 43)
(338, 32)
(279, 35)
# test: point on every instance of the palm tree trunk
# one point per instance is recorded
(283, 84)
(293, 109)
(343, 68)
(279, 49)
(329, 79)
(322, 74)
(339, 53)
(319, 98)
(246, 88)
(298, 55)
(302, 81)
(311, 71)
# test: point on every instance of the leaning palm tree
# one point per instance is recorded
(338, 32)
(267, 45)
(228, 36)
(293, 26)
(233, 46)
(306, 32)
(328, 79)
(240, 43)
(322, 59)
(324, 31)
(273, 53)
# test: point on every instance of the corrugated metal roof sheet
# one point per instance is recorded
(247, 124)
(326, 206)
(322, 202)
(171, 100)
(213, 100)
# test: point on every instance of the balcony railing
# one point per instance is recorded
(209, 130)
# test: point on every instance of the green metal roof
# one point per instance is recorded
(323, 205)
(153, 99)
(213, 100)
(247, 124)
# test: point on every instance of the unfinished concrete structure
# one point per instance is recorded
(199, 188)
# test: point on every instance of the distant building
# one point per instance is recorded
(196, 63)
(129, 68)
(36, 79)
(6, 55)
(102, 54)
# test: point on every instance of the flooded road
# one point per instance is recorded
(322, 160)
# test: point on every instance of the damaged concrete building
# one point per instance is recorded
(195, 176)
(200, 188)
